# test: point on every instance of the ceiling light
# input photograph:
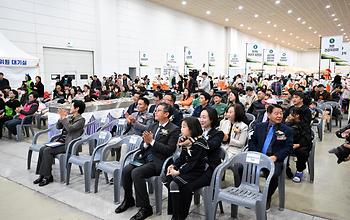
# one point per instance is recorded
(283, 41)
(299, 19)
(310, 28)
(342, 29)
(259, 32)
(184, 2)
(319, 35)
(284, 30)
(256, 15)
(276, 38)
(290, 33)
(277, 2)
(268, 22)
(307, 42)
(304, 22)
(328, 6)
(339, 25)
(241, 25)
(240, 7)
(344, 33)
(315, 32)
(275, 25)
(333, 15)
(268, 35)
(226, 19)
(335, 19)
(288, 43)
(290, 11)
(208, 12)
(302, 40)
(297, 37)
(249, 28)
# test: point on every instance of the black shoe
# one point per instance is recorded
(333, 151)
(143, 214)
(111, 182)
(289, 173)
(37, 181)
(46, 180)
(127, 203)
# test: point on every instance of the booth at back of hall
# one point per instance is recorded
(174, 109)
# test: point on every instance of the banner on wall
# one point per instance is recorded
(331, 47)
(283, 59)
(345, 55)
(171, 59)
(211, 58)
(188, 57)
(270, 57)
(254, 53)
(233, 60)
(143, 58)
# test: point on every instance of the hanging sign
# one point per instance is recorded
(143, 58)
(233, 60)
(283, 59)
(211, 58)
(188, 57)
(270, 57)
(331, 47)
(254, 53)
(345, 55)
(171, 59)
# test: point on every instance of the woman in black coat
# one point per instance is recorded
(39, 86)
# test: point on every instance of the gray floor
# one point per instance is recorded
(327, 197)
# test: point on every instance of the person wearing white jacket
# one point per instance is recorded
(235, 130)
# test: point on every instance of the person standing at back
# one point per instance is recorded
(4, 83)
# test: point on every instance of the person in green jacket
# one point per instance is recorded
(10, 106)
(218, 105)
(28, 84)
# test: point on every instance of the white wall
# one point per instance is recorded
(116, 30)
(309, 60)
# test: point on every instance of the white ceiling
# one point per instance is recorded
(284, 28)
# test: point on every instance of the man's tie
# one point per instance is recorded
(268, 140)
(157, 132)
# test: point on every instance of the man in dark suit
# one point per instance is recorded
(170, 99)
(157, 98)
(275, 140)
(133, 107)
(72, 128)
(159, 143)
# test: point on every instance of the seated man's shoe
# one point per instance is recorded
(37, 181)
(333, 150)
(143, 214)
(46, 180)
(127, 203)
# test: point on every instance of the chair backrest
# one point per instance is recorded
(250, 117)
(120, 127)
(253, 163)
(96, 140)
(132, 142)
(109, 126)
(333, 104)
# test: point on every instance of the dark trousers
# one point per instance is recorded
(46, 159)
(238, 171)
(138, 176)
(2, 122)
(302, 157)
(11, 125)
(179, 203)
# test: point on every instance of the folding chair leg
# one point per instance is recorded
(158, 191)
(234, 211)
(196, 198)
(62, 167)
(97, 176)
(106, 177)
(69, 166)
(29, 159)
(221, 208)
(87, 176)
(81, 170)
(116, 180)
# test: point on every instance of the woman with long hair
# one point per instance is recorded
(187, 168)
(186, 100)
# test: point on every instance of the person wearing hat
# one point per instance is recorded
(218, 105)
(322, 94)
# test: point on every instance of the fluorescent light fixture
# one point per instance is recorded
(277, 2)
(249, 28)
(319, 35)
(315, 32)
(310, 28)
(268, 35)
(339, 25)
(256, 15)
(290, 33)
(342, 29)
(333, 15)
(268, 22)
(335, 19)
(275, 25)
(288, 43)
(304, 22)
(284, 30)
(226, 19)
(299, 18)
(241, 25)
(259, 32)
